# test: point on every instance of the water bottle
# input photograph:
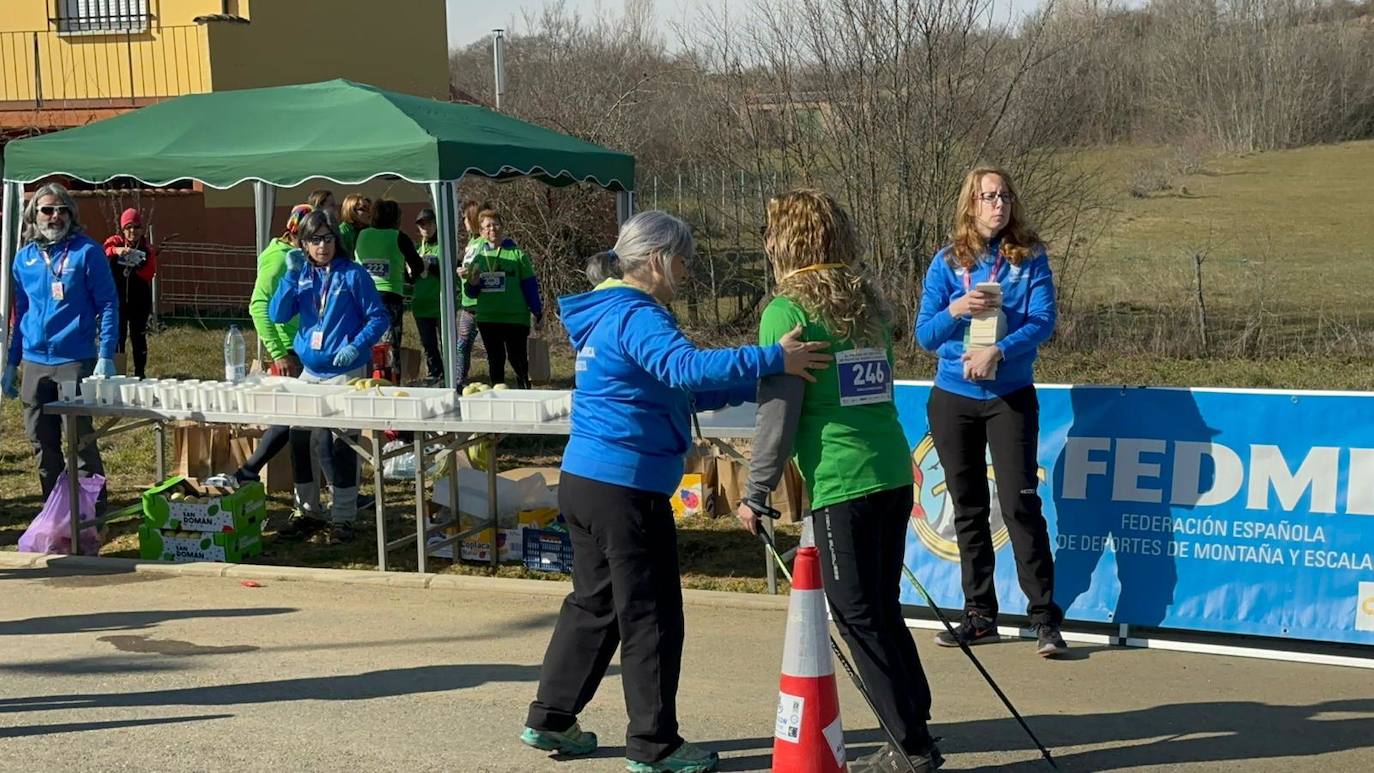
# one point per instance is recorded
(235, 352)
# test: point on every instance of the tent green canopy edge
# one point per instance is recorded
(338, 130)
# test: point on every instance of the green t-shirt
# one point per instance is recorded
(849, 442)
(474, 246)
(349, 233)
(425, 303)
(271, 268)
(500, 271)
(380, 253)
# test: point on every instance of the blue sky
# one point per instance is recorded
(469, 20)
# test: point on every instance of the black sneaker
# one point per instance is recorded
(975, 629)
(889, 760)
(1048, 642)
(341, 533)
(302, 526)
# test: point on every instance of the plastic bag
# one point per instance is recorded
(402, 466)
(51, 531)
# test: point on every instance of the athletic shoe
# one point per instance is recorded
(689, 758)
(975, 629)
(1048, 642)
(889, 760)
(302, 526)
(341, 533)
(570, 741)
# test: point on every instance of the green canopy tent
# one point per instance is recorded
(336, 130)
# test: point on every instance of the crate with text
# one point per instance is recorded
(183, 505)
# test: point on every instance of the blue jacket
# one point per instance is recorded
(353, 313)
(52, 332)
(1027, 301)
(638, 381)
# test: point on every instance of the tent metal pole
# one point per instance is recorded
(445, 196)
(624, 206)
(13, 198)
(264, 203)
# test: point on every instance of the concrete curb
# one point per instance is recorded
(458, 582)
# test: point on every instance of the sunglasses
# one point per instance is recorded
(53, 209)
(316, 241)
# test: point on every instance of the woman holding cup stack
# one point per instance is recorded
(987, 306)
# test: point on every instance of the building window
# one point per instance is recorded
(78, 17)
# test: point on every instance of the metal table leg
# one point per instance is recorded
(421, 522)
(160, 439)
(73, 487)
(491, 504)
(377, 491)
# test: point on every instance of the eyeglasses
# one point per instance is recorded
(53, 209)
(1007, 197)
(321, 239)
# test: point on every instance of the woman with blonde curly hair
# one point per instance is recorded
(987, 306)
(852, 453)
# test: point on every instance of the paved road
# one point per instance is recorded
(139, 671)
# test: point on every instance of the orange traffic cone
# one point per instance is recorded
(809, 736)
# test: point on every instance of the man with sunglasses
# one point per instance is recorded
(133, 262)
(62, 287)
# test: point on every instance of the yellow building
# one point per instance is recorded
(67, 62)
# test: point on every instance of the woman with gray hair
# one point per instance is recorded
(639, 380)
(62, 286)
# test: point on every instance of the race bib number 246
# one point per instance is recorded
(865, 377)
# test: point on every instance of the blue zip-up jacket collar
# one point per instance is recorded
(638, 381)
(1027, 301)
(49, 331)
(353, 313)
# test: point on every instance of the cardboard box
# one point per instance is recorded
(789, 498)
(211, 509)
(510, 545)
(181, 546)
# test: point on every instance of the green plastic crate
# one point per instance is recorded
(215, 510)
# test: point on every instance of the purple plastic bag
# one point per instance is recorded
(51, 531)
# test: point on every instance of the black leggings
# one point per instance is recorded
(502, 340)
(134, 309)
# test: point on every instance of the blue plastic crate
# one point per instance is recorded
(548, 551)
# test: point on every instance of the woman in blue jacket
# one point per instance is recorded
(984, 397)
(639, 379)
(341, 317)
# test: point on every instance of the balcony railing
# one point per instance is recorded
(51, 69)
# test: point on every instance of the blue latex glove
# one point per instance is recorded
(346, 356)
(295, 260)
(104, 367)
(9, 383)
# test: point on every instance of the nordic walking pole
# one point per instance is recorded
(844, 661)
(963, 645)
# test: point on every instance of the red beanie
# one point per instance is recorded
(130, 217)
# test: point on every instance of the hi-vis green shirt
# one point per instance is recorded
(380, 253)
(425, 303)
(500, 270)
(849, 442)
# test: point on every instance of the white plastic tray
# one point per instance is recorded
(517, 405)
(293, 399)
(384, 403)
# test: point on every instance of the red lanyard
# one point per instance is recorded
(968, 273)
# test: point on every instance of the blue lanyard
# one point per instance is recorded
(324, 292)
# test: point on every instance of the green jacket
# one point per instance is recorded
(271, 268)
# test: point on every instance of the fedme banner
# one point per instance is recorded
(1244, 512)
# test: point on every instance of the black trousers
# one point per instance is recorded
(395, 304)
(135, 304)
(862, 543)
(502, 340)
(273, 440)
(627, 591)
(965, 430)
(429, 339)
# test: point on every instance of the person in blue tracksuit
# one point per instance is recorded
(984, 397)
(64, 298)
(341, 317)
(639, 379)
